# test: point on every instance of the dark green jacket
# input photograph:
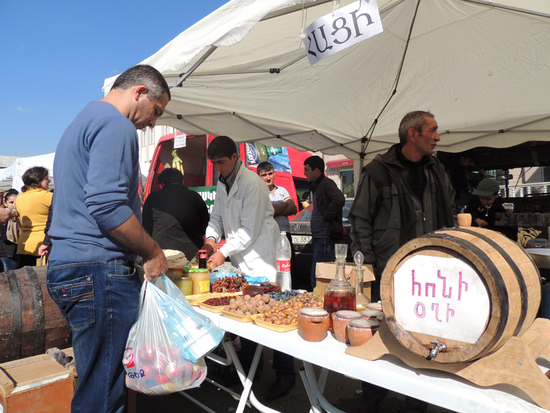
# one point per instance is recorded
(386, 213)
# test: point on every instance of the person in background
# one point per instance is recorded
(484, 204)
(96, 233)
(401, 195)
(46, 247)
(175, 216)
(8, 248)
(283, 205)
(32, 206)
(5, 215)
(243, 213)
(326, 218)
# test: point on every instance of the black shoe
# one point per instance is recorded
(281, 388)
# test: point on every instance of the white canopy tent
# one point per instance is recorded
(16, 170)
(482, 67)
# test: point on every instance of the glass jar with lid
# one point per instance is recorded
(200, 278)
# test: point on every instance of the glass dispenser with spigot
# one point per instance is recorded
(361, 300)
(339, 294)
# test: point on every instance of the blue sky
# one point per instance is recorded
(55, 55)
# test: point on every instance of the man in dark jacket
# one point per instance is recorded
(175, 216)
(326, 218)
(401, 195)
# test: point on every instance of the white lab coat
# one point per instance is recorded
(245, 216)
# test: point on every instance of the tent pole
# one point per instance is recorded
(195, 66)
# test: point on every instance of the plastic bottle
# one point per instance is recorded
(283, 255)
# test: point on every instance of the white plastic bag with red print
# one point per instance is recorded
(165, 346)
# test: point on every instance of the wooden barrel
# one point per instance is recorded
(470, 289)
(30, 321)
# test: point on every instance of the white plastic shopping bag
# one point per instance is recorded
(165, 346)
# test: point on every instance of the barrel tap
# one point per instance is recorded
(438, 347)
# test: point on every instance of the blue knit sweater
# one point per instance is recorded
(96, 177)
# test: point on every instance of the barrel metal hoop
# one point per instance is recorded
(17, 317)
(39, 334)
(501, 286)
(521, 281)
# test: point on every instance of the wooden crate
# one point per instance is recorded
(36, 384)
(326, 271)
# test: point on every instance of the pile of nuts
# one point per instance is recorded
(286, 312)
(247, 305)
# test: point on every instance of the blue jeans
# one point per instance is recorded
(9, 263)
(323, 251)
(101, 302)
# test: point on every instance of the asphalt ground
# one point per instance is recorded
(342, 392)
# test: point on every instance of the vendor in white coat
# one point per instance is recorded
(243, 213)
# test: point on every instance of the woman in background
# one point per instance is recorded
(8, 244)
(32, 207)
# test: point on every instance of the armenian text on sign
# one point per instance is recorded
(444, 297)
(341, 29)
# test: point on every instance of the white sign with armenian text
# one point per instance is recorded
(443, 297)
(341, 29)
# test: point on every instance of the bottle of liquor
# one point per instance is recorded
(339, 294)
(361, 300)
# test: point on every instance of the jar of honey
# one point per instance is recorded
(201, 280)
(185, 284)
(340, 322)
(360, 331)
(313, 323)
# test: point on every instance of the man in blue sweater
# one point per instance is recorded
(96, 232)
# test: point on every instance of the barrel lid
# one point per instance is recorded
(365, 323)
(348, 314)
(313, 312)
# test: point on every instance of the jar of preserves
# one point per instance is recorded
(360, 331)
(340, 322)
(201, 280)
(174, 272)
(375, 306)
(372, 314)
(185, 284)
(313, 323)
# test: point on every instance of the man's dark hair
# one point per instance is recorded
(222, 147)
(315, 162)
(145, 75)
(264, 167)
(170, 176)
(33, 176)
(415, 120)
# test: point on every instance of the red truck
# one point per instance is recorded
(202, 177)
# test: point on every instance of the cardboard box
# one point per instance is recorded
(36, 384)
(326, 271)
